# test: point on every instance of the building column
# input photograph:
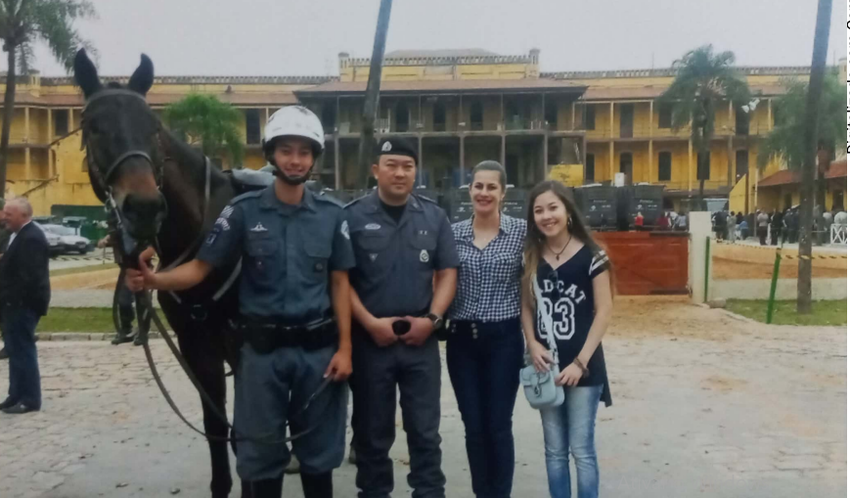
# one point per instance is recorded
(691, 174)
(27, 171)
(462, 154)
(770, 114)
(652, 178)
(573, 122)
(545, 156)
(502, 156)
(651, 119)
(419, 151)
(611, 142)
(732, 119)
(729, 159)
(337, 172)
(502, 117)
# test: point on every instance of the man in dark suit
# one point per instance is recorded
(24, 297)
(4, 243)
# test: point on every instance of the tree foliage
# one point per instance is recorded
(785, 141)
(703, 81)
(25, 22)
(208, 123)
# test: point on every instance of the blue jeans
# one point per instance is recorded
(570, 427)
(18, 325)
(484, 365)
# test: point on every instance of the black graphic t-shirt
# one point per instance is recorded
(567, 309)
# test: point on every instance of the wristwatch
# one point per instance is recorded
(436, 321)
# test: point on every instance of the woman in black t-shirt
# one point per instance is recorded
(566, 290)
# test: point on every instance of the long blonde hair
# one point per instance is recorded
(535, 240)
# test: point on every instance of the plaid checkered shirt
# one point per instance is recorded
(489, 279)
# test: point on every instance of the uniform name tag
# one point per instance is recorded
(373, 226)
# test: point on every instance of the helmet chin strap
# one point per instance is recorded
(292, 180)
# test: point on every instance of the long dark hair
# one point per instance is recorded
(535, 240)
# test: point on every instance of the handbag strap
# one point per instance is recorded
(546, 318)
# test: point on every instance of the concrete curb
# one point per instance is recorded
(82, 336)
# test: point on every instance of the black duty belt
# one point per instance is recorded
(266, 337)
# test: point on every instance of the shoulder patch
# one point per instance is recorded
(247, 195)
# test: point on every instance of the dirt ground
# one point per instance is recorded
(727, 269)
(705, 404)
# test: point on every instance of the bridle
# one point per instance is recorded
(102, 182)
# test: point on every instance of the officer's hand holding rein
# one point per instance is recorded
(142, 278)
(183, 277)
(339, 369)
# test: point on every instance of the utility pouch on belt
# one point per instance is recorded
(267, 337)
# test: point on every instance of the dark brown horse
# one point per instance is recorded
(157, 184)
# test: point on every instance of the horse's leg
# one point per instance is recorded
(207, 363)
(203, 351)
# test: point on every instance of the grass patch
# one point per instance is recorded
(785, 312)
(77, 320)
(82, 269)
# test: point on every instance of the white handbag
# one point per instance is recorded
(540, 388)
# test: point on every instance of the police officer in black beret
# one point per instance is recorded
(403, 282)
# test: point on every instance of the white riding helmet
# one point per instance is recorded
(295, 121)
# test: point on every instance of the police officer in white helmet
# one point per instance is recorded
(294, 302)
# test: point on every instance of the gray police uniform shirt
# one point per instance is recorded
(287, 252)
(396, 261)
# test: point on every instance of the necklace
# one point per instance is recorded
(558, 253)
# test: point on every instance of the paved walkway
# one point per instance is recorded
(704, 405)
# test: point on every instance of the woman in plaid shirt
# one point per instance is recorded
(485, 345)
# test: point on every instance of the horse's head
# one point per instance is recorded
(121, 137)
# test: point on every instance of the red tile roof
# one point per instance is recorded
(837, 169)
(782, 177)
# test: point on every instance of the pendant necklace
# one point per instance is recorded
(558, 253)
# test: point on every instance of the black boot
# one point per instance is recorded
(267, 488)
(123, 335)
(317, 485)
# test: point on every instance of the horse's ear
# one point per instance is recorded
(142, 78)
(86, 74)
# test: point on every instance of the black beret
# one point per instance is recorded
(397, 146)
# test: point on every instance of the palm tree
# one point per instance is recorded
(703, 81)
(810, 139)
(785, 141)
(23, 23)
(209, 123)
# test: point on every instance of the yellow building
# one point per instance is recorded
(458, 107)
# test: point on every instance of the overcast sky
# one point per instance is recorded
(303, 37)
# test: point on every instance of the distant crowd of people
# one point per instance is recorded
(776, 227)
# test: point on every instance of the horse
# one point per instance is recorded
(164, 190)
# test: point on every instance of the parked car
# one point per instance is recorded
(69, 240)
(53, 241)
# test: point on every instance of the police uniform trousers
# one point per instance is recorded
(271, 389)
(377, 372)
